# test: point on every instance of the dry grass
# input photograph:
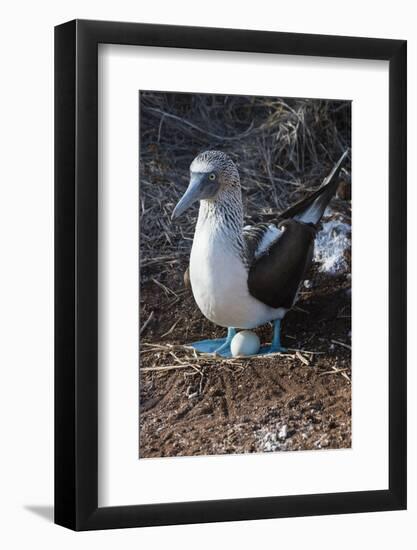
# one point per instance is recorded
(171, 357)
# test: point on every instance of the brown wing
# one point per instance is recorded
(275, 276)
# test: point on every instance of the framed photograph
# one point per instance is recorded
(230, 247)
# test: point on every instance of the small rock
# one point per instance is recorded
(282, 434)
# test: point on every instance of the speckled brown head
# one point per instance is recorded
(211, 173)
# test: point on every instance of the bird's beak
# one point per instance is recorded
(195, 192)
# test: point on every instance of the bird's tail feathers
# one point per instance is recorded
(311, 208)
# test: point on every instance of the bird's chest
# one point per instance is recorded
(218, 278)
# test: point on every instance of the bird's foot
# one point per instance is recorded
(272, 349)
(275, 346)
(217, 346)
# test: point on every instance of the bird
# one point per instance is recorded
(244, 276)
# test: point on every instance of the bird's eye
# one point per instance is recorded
(212, 177)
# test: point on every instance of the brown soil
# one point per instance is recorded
(200, 405)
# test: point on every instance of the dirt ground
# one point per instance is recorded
(199, 405)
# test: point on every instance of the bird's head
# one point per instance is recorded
(210, 173)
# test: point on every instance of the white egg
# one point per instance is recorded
(245, 342)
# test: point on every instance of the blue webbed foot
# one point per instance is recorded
(221, 346)
(275, 347)
(272, 349)
(218, 346)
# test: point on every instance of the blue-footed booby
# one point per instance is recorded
(245, 276)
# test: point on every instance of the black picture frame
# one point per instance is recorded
(76, 272)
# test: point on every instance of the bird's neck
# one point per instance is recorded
(221, 219)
